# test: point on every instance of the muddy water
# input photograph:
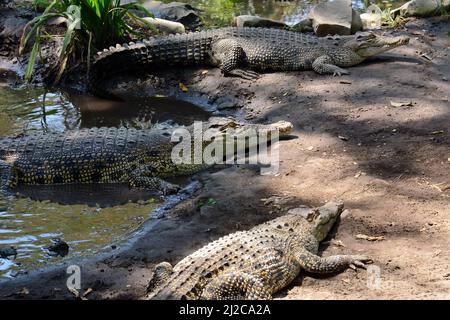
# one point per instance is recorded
(87, 217)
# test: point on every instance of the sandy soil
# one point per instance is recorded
(384, 162)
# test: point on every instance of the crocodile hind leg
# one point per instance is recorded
(236, 286)
(161, 274)
(325, 65)
(140, 178)
(332, 264)
(229, 56)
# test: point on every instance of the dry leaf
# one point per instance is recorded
(337, 243)
(183, 87)
(442, 186)
(204, 72)
(369, 238)
(438, 132)
(24, 291)
(87, 292)
(401, 104)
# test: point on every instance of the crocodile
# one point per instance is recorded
(257, 263)
(141, 158)
(240, 52)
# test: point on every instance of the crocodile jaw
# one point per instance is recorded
(367, 45)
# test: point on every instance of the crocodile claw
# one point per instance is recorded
(244, 74)
(359, 262)
(339, 72)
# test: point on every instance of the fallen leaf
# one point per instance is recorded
(437, 253)
(369, 238)
(442, 186)
(401, 104)
(310, 148)
(343, 138)
(423, 55)
(87, 292)
(438, 132)
(183, 87)
(204, 72)
(24, 291)
(337, 243)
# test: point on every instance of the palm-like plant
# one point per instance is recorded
(90, 24)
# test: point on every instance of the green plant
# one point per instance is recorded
(387, 19)
(90, 23)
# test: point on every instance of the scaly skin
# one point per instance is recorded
(141, 158)
(256, 263)
(238, 51)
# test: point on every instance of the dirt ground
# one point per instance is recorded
(388, 164)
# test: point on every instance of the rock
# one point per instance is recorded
(356, 22)
(58, 248)
(12, 27)
(180, 12)
(56, 21)
(5, 253)
(418, 8)
(304, 25)
(256, 21)
(166, 26)
(335, 17)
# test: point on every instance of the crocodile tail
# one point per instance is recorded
(174, 50)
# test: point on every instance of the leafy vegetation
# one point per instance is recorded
(91, 24)
(387, 19)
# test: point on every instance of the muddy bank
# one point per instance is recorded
(385, 161)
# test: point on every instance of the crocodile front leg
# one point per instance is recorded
(332, 264)
(325, 65)
(229, 56)
(236, 286)
(142, 178)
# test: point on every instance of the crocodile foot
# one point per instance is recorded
(359, 262)
(244, 74)
(169, 188)
(339, 72)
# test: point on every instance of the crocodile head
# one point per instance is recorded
(225, 125)
(369, 44)
(322, 219)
